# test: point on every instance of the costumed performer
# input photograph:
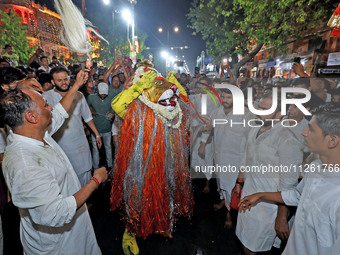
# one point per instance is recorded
(151, 181)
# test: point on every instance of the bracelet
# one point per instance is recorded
(95, 180)
(98, 136)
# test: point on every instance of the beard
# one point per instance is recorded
(62, 90)
(227, 106)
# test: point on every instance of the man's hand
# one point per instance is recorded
(248, 201)
(282, 228)
(39, 51)
(31, 83)
(100, 174)
(120, 62)
(299, 70)
(224, 66)
(81, 78)
(99, 141)
(201, 150)
(93, 71)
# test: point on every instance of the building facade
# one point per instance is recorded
(313, 52)
(43, 25)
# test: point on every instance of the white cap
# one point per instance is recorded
(103, 88)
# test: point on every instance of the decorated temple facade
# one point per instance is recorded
(43, 25)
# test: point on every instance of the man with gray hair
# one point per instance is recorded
(40, 177)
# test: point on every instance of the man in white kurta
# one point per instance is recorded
(3, 137)
(50, 223)
(229, 137)
(230, 140)
(42, 182)
(316, 229)
(271, 146)
(71, 136)
(200, 162)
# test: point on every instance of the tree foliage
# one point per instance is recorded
(13, 32)
(232, 27)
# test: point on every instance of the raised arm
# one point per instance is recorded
(35, 56)
(108, 73)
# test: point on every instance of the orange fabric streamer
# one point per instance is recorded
(157, 197)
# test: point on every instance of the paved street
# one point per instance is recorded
(204, 231)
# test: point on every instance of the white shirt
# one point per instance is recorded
(277, 146)
(42, 183)
(71, 136)
(44, 69)
(316, 229)
(3, 137)
(197, 162)
(229, 146)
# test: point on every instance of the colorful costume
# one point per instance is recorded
(334, 22)
(151, 179)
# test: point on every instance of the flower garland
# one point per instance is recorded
(164, 114)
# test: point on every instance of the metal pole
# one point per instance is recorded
(133, 27)
(127, 32)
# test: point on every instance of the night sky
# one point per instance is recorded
(149, 15)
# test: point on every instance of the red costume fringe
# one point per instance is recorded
(154, 215)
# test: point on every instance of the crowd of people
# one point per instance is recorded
(59, 117)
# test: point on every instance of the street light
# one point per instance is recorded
(165, 54)
(127, 16)
(133, 54)
(175, 28)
